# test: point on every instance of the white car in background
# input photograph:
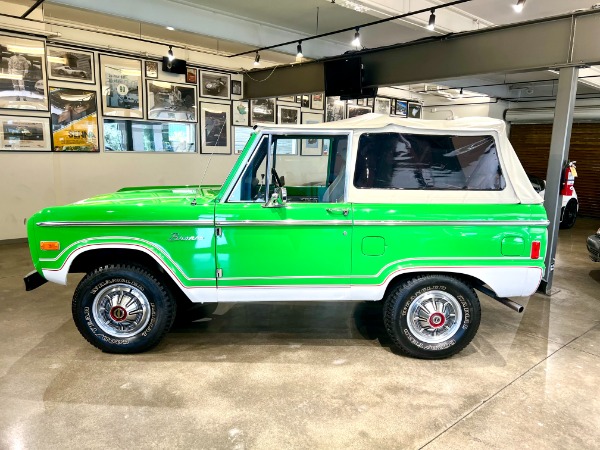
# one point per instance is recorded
(570, 202)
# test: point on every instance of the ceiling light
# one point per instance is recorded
(431, 25)
(356, 41)
(170, 28)
(519, 6)
(299, 48)
(257, 60)
(170, 54)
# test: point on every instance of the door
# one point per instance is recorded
(299, 249)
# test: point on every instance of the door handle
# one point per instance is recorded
(344, 212)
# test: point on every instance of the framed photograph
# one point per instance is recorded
(240, 112)
(171, 102)
(316, 101)
(191, 75)
(298, 98)
(336, 109)
(289, 98)
(240, 138)
(74, 120)
(214, 84)
(414, 110)
(288, 115)
(70, 65)
(25, 134)
(122, 90)
(306, 101)
(216, 125)
(140, 136)
(401, 108)
(23, 69)
(312, 147)
(356, 110)
(382, 105)
(369, 101)
(262, 110)
(151, 69)
(360, 102)
(236, 87)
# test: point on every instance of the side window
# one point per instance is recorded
(420, 161)
(251, 185)
(312, 168)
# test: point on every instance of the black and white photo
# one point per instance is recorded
(356, 110)
(214, 84)
(336, 109)
(151, 69)
(382, 106)
(216, 125)
(262, 110)
(70, 65)
(414, 110)
(236, 87)
(171, 102)
(288, 115)
(24, 134)
(122, 93)
(22, 74)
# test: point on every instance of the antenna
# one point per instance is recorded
(207, 166)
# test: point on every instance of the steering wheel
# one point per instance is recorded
(276, 177)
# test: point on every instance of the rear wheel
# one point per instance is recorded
(569, 215)
(122, 309)
(432, 316)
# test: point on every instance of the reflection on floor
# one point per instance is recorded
(305, 375)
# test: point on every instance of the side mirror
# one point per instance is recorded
(278, 198)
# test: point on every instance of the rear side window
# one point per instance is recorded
(420, 161)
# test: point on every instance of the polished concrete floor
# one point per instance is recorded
(310, 375)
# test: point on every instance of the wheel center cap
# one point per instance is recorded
(437, 320)
(118, 313)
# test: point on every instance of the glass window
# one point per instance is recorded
(419, 161)
(312, 169)
(137, 136)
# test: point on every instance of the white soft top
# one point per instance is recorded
(518, 187)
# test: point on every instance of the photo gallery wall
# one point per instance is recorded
(67, 91)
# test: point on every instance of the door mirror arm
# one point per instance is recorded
(278, 198)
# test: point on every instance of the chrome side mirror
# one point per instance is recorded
(278, 198)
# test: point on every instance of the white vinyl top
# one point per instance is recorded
(518, 187)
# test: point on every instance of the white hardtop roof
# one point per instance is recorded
(372, 121)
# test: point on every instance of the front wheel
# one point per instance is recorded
(432, 316)
(569, 215)
(122, 309)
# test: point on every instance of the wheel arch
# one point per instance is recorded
(469, 280)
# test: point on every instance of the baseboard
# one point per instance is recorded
(13, 241)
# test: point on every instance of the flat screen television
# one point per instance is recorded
(343, 77)
(175, 66)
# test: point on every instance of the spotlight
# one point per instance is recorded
(257, 60)
(431, 25)
(356, 41)
(170, 53)
(519, 6)
(299, 48)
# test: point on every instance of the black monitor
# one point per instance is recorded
(174, 66)
(343, 77)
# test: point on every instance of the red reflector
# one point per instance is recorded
(535, 249)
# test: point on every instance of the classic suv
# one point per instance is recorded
(417, 213)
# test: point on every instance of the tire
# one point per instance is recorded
(569, 215)
(149, 305)
(441, 336)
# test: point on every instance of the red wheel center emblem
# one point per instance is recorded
(118, 313)
(437, 320)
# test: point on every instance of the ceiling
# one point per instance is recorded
(235, 26)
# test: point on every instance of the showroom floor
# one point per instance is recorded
(305, 375)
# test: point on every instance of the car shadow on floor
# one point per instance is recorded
(595, 275)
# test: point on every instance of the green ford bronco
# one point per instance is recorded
(412, 212)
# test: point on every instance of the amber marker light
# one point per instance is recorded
(49, 245)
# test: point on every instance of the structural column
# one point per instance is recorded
(559, 154)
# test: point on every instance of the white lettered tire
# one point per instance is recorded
(122, 309)
(432, 316)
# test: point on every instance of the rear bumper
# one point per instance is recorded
(593, 246)
(33, 280)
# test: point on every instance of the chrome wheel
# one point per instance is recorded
(121, 310)
(434, 317)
